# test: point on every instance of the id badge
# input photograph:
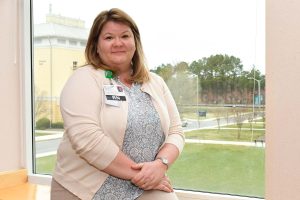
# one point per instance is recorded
(114, 94)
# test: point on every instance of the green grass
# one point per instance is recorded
(248, 125)
(220, 168)
(45, 165)
(41, 134)
(224, 134)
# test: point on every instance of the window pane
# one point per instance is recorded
(211, 55)
(56, 56)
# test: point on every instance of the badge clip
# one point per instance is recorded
(109, 74)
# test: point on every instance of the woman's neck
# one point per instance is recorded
(125, 77)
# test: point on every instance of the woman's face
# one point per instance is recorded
(116, 46)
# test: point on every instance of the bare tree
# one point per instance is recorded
(250, 120)
(218, 115)
(40, 105)
(239, 119)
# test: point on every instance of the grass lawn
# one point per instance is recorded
(259, 125)
(208, 167)
(223, 134)
(190, 112)
(220, 168)
(45, 165)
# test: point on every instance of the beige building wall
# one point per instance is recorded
(62, 68)
(283, 98)
(52, 68)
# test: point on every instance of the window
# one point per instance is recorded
(73, 42)
(212, 59)
(37, 41)
(83, 43)
(61, 41)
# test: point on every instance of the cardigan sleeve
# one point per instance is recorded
(80, 106)
(176, 134)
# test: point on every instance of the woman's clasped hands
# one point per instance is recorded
(152, 176)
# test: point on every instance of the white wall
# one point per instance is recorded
(283, 100)
(10, 111)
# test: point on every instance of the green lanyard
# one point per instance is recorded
(109, 74)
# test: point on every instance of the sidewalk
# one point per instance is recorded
(53, 134)
(49, 137)
(196, 141)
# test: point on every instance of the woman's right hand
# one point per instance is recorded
(163, 185)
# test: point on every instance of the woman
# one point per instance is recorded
(122, 127)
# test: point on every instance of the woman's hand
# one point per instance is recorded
(163, 185)
(151, 174)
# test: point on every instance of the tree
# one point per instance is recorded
(183, 88)
(40, 106)
(165, 71)
(239, 119)
(218, 113)
(181, 67)
(221, 78)
(218, 75)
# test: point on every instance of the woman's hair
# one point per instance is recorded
(140, 72)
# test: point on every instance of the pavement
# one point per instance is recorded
(253, 144)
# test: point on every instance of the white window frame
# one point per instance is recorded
(25, 19)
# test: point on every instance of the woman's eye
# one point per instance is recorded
(125, 36)
(108, 38)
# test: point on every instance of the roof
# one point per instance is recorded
(58, 30)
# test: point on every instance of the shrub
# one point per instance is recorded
(43, 123)
(59, 125)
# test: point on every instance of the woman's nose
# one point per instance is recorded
(118, 41)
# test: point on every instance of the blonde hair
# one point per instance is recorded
(140, 72)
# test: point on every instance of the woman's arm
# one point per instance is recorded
(121, 167)
(80, 104)
(152, 172)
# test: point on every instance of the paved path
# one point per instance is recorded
(195, 124)
(253, 144)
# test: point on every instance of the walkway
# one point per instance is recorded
(196, 141)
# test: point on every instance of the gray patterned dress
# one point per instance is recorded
(143, 137)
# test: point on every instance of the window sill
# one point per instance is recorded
(190, 195)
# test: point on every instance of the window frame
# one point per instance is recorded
(28, 157)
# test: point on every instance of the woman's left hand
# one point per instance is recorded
(164, 185)
(151, 173)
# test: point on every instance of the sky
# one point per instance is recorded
(181, 30)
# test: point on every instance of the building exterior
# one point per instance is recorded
(59, 46)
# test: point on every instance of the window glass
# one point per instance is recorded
(83, 43)
(211, 55)
(61, 41)
(73, 42)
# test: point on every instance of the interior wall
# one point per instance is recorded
(283, 99)
(9, 87)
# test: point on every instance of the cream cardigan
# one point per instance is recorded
(94, 131)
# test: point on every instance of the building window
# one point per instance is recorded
(37, 41)
(213, 63)
(73, 42)
(61, 41)
(83, 43)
